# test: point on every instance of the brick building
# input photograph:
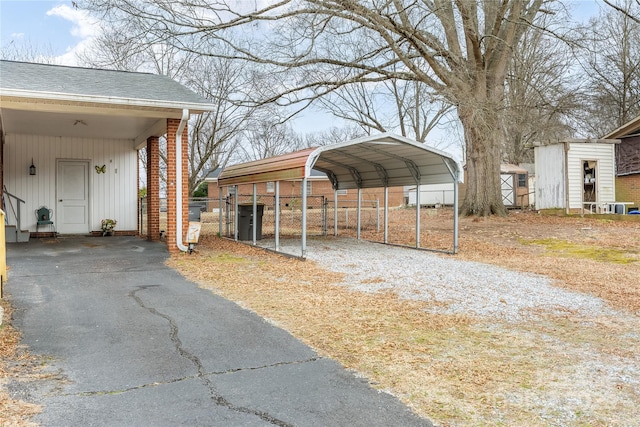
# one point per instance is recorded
(318, 184)
(628, 162)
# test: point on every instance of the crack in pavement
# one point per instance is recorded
(202, 375)
(189, 377)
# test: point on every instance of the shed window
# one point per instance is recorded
(522, 180)
(271, 187)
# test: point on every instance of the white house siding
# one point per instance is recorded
(605, 173)
(112, 194)
(550, 177)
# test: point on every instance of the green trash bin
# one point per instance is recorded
(246, 221)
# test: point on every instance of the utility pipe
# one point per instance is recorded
(183, 123)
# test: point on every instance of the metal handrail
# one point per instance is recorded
(15, 211)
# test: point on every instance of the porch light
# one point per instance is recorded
(32, 168)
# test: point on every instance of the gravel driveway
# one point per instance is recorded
(453, 285)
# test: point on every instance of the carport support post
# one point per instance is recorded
(455, 214)
(417, 214)
(335, 213)
(304, 217)
(255, 212)
(358, 215)
(276, 212)
(386, 214)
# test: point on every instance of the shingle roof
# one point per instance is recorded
(71, 81)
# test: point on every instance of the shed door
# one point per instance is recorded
(508, 189)
(73, 197)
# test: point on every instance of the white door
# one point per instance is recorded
(73, 197)
(508, 192)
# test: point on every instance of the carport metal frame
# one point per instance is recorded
(377, 161)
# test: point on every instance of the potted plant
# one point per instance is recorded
(107, 226)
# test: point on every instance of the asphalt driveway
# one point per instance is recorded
(132, 343)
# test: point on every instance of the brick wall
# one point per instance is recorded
(628, 189)
(319, 187)
(172, 206)
(153, 188)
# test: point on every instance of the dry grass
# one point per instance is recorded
(458, 370)
(14, 364)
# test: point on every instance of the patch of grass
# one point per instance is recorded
(228, 258)
(573, 250)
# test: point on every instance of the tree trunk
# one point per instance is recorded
(483, 138)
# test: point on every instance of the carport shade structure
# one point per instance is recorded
(378, 161)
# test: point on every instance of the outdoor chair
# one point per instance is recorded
(43, 217)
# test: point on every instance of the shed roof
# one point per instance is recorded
(384, 160)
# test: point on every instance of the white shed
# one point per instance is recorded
(575, 174)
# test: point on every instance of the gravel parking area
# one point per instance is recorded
(452, 285)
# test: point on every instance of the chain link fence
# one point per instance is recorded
(321, 215)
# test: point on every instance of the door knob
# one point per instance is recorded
(60, 200)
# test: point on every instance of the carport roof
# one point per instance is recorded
(384, 160)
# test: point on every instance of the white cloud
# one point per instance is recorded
(84, 27)
(17, 36)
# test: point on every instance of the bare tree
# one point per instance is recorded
(460, 49)
(267, 138)
(25, 50)
(334, 135)
(408, 107)
(623, 7)
(212, 135)
(540, 95)
(612, 70)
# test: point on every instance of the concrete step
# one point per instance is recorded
(12, 235)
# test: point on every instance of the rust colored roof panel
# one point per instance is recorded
(279, 168)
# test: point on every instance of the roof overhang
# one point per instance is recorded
(377, 161)
(96, 114)
(81, 116)
(629, 128)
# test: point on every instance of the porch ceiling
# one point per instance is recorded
(81, 124)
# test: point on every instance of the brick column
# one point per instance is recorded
(153, 188)
(172, 127)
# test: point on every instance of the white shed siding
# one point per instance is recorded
(605, 172)
(550, 173)
(433, 194)
(112, 194)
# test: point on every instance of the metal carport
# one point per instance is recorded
(378, 161)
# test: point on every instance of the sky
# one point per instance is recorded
(55, 27)
(46, 26)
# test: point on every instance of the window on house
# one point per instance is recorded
(342, 192)
(231, 191)
(522, 180)
(308, 188)
(271, 187)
